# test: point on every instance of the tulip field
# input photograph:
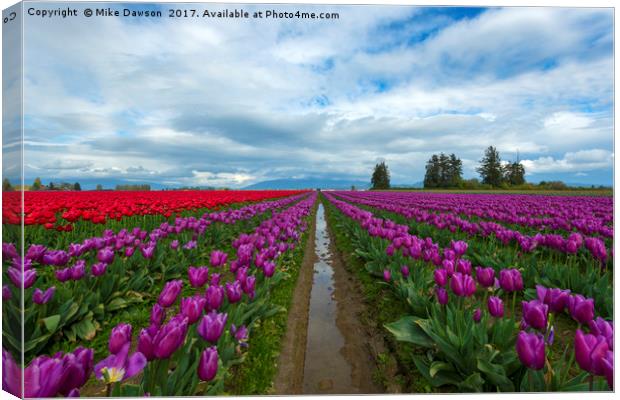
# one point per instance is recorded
(164, 293)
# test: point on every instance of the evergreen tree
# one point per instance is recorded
(380, 177)
(51, 186)
(6, 185)
(433, 172)
(36, 185)
(455, 166)
(99, 187)
(77, 187)
(514, 173)
(491, 170)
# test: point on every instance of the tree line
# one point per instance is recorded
(446, 171)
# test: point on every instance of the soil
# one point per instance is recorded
(362, 345)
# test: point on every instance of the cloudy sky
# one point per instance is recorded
(234, 102)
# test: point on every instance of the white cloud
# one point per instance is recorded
(583, 160)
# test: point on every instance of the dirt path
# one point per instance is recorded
(326, 349)
(289, 379)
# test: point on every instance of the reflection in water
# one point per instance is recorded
(325, 370)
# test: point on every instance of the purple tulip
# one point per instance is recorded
(531, 349)
(404, 270)
(11, 374)
(215, 279)
(477, 315)
(129, 251)
(556, 299)
(42, 377)
(218, 258)
(459, 247)
(510, 280)
(240, 334)
(496, 307)
(608, 368)
(121, 366)
(214, 296)
(269, 268)
(190, 245)
(170, 292)
(207, 366)
(485, 276)
(463, 266)
(9, 251)
(158, 315)
(147, 252)
(535, 314)
(55, 257)
(198, 276)
(448, 266)
(105, 255)
(387, 275)
(249, 286)
(98, 269)
(212, 325)
(36, 252)
(581, 309)
(63, 275)
(174, 245)
(590, 351)
(442, 296)
(40, 297)
(77, 367)
(27, 278)
(234, 291)
(463, 285)
(192, 307)
(441, 277)
(6, 292)
(449, 254)
(78, 270)
(120, 335)
(170, 337)
(600, 327)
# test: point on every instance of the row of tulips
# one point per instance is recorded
(199, 342)
(468, 315)
(451, 221)
(118, 276)
(587, 215)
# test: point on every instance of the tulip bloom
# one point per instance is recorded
(485, 276)
(192, 307)
(535, 314)
(98, 269)
(556, 299)
(442, 296)
(158, 314)
(477, 315)
(163, 342)
(240, 334)
(463, 266)
(207, 366)
(218, 258)
(441, 277)
(105, 255)
(590, 351)
(600, 327)
(531, 349)
(249, 286)
(212, 326)
(510, 280)
(198, 276)
(26, 278)
(40, 297)
(234, 291)
(121, 366)
(214, 296)
(269, 268)
(78, 270)
(404, 270)
(608, 368)
(170, 292)
(496, 306)
(120, 335)
(448, 266)
(459, 247)
(387, 275)
(77, 365)
(11, 374)
(42, 377)
(462, 285)
(581, 309)
(6, 292)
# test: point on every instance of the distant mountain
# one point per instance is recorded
(309, 183)
(416, 185)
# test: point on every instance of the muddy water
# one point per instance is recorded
(325, 369)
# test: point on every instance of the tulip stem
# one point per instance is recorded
(514, 300)
(591, 381)
(108, 390)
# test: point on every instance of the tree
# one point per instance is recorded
(99, 187)
(77, 187)
(443, 171)
(514, 173)
(51, 186)
(380, 177)
(6, 185)
(491, 170)
(36, 185)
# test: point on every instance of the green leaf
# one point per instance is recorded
(51, 323)
(473, 383)
(437, 366)
(496, 375)
(406, 329)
